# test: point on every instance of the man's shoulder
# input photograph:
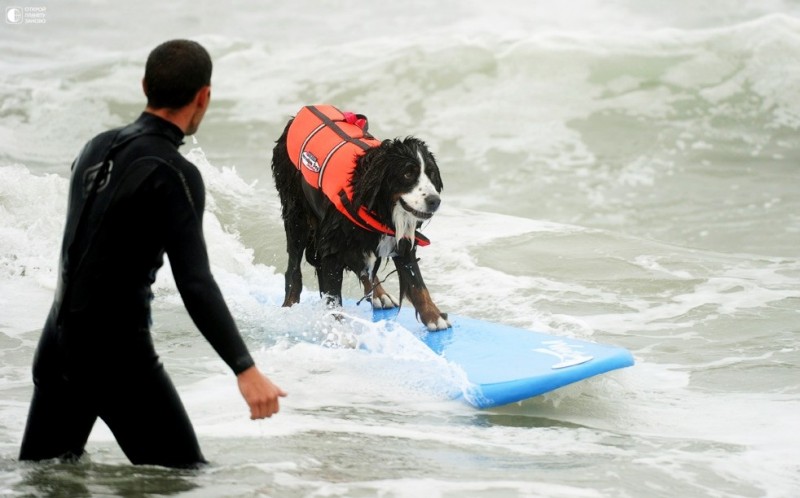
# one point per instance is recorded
(178, 163)
(95, 149)
(176, 169)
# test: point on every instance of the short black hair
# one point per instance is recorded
(175, 71)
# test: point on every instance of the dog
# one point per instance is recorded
(349, 202)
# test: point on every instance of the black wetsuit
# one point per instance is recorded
(95, 357)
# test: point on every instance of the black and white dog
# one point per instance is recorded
(349, 201)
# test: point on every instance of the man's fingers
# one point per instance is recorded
(266, 408)
(263, 412)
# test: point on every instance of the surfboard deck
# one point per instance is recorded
(506, 364)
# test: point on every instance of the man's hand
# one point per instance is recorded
(260, 393)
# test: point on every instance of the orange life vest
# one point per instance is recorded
(325, 144)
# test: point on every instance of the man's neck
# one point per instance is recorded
(178, 117)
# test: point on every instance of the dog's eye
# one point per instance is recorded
(408, 175)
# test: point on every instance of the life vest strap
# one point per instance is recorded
(365, 220)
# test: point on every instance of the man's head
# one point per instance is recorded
(176, 74)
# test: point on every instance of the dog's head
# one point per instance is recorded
(399, 180)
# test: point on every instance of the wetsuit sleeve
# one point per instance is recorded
(182, 196)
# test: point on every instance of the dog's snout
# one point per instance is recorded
(432, 202)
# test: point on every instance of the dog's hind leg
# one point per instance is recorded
(297, 235)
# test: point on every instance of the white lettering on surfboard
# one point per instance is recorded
(565, 353)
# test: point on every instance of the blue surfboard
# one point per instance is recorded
(506, 364)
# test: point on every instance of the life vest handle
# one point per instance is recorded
(335, 127)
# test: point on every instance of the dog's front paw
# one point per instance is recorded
(384, 302)
(440, 323)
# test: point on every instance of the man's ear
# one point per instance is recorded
(203, 97)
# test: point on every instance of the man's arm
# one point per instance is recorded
(184, 199)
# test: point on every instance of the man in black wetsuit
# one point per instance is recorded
(132, 198)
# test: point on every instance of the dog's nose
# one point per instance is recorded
(433, 202)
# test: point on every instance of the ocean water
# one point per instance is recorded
(625, 172)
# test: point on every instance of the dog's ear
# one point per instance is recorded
(436, 178)
(369, 176)
(431, 167)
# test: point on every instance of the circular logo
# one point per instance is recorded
(310, 161)
(14, 15)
